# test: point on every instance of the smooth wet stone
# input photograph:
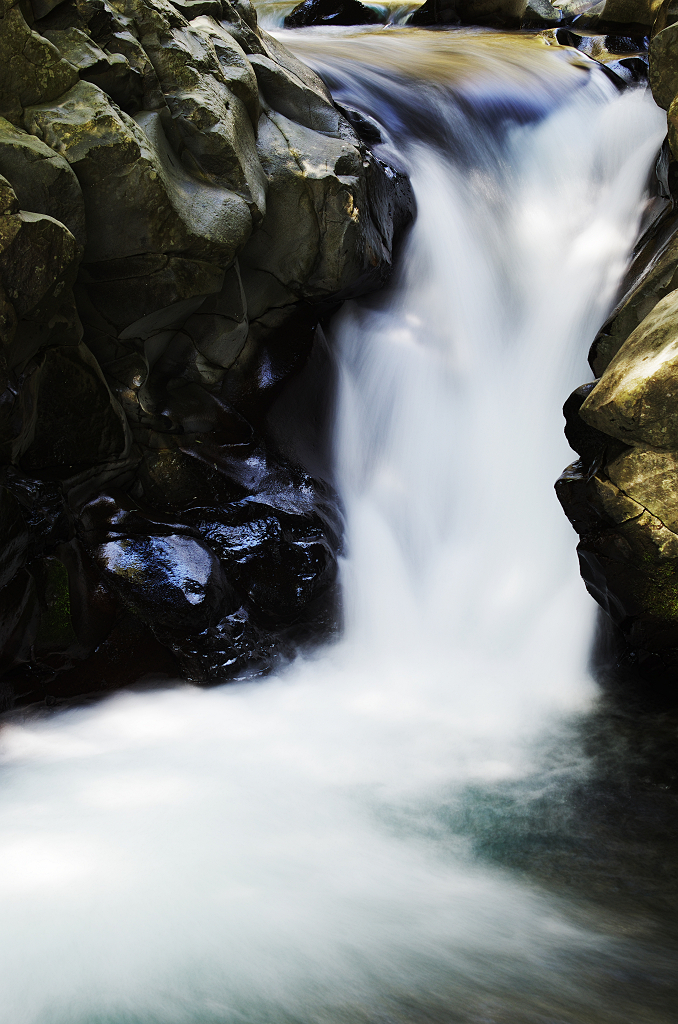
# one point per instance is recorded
(634, 13)
(331, 12)
(288, 95)
(323, 239)
(213, 128)
(636, 399)
(174, 580)
(236, 70)
(282, 562)
(110, 71)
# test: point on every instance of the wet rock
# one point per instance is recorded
(281, 562)
(331, 12)
(288, 95)
(635, 14)
(175, 581)
(495, 13)
(111, 72)
(635, 399)
(321, 194)
(187, 203)
(38, 261)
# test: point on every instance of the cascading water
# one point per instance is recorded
(295, 850)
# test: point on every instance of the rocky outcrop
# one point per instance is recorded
(622, 495)
(180, 205)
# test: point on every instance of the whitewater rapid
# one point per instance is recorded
(286, 850)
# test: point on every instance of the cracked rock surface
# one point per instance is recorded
(181, 203)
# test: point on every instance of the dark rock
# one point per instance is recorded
(15, 536)
(188, 203)
(175, 580)
(365, 127)
(42, 180)
(494, 13)
(584, 439)
(331, 12)
(70, 381)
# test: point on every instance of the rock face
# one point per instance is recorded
(180, 204)
(622, 494)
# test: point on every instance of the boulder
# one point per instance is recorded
(111, 71)
(635, 399)
(495, 13)
(31, 68)
(664, 66)
(138, 199)
(331, 12)
(319, 238)
(638, 14)
(173, 580)
(42, 180)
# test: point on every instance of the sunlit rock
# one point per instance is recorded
(636, 398)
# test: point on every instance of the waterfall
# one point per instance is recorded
(291, 850)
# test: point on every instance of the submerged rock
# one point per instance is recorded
(180, 203)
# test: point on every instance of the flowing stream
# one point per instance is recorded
(390, 830)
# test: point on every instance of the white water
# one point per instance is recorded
(275, 851)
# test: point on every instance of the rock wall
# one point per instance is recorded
(622, 493)
(180, 205)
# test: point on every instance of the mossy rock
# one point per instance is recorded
(31, 68)
(42, 180)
